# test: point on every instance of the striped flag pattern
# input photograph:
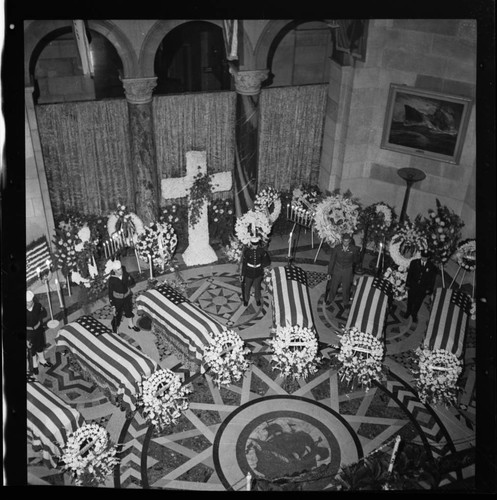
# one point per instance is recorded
(291, 301)
(50, 421)
(113, 361)
(37, 255)
(369, 306)
(448, 320)
(186, 323)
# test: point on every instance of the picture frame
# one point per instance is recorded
(425, 123)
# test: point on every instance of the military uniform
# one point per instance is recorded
(120, 297)
(254, 260)
(341, 270)
(35, 332)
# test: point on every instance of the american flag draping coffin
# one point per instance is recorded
(291, 301)
(186, 323)
(107, 356)
(370, 305)
(50, 421)
(448, 321)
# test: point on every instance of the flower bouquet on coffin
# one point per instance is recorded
(295, 352)
(437, 376)
(226, 357)
(163, 399)
(360, 358)
(89, 456)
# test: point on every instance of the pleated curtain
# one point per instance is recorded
(87, 158)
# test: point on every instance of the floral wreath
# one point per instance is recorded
(335, 216)
(128, 221)
(311, 194)
(158, 240)
(466, 254)
(356, 366)
(398, 278)
(250, 224)
(379, 219)
(265, 199)
(234, 250)
(437, 376)
(163, 398)
(295, 351)
(88, 455)
(408, 239)
(226, 357)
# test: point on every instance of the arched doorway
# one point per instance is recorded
(192, 58)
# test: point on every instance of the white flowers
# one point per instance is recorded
(79, 280)
(163, 398)
(409, 239)
(360, 357)
(88, 455)
(233, 251)
(250, 224)
(465, 254)
(437, 376)
(295, 351)
(226, 356)
(158, 240)
(397, 278)
(382, 208)
(131, 224)
(268, 201)
(335, 216)
(84, 233)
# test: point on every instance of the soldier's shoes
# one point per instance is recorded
(30, 378)
(46, 364)
(134, 328)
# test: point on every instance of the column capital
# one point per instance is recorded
(139, 90)
(249, 82)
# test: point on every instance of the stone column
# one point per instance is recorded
(138, 93)
(248, 86)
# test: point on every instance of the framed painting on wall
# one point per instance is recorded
(425, 123)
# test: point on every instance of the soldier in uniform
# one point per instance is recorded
(253, 261)
(35, 335)
(343, 258)
(120, 296)
(419, 283)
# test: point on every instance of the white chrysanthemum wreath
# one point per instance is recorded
(437, 376)
(335, 216)
(163, 398)
(250, 224)
(268, 201)
(88, 455)
(466, 254)
(128, 221)
(407, 240)
(295, 351)
(226, 356)
(360, 357)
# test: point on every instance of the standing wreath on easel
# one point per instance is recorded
(466, 254)
(252, 224)
(268, 201)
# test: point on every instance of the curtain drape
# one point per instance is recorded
(291, 126)
(87, 156)
(194, 122)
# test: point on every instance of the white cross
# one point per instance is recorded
(199, 251)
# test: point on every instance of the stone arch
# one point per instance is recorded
(37, 30)
(272, 31)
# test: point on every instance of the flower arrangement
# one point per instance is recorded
(465, 254)
(233, 251)
(398, 279)
(360, 357)
(268, 279)
(176, 214)
(221, 215)
(268, 201)
(378, 221)
(158, 241)
(128, 221)
(252, 223)
(163, 398)
(64, 251)
(407, 243)
(200, 192)
(442, 228)
(226, 356)
(472, 309)
(437, 376)
(336, 215)
(89, 456)
(295, 352)
(308, 192)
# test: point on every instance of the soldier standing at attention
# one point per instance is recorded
(254, 260)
